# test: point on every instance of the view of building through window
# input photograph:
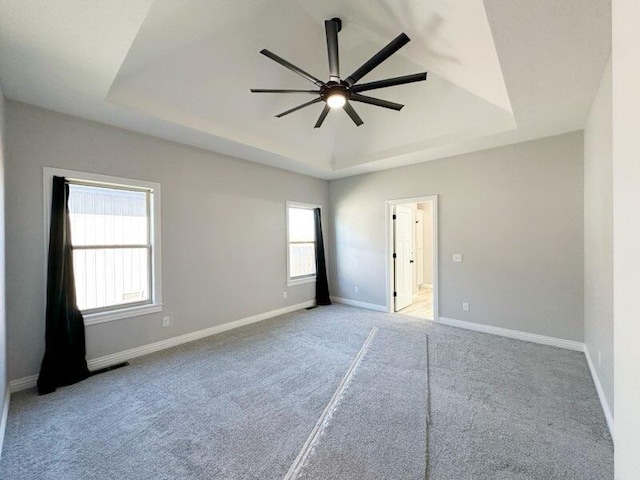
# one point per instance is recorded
(302, 247)
(110, 234)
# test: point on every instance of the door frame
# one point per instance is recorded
(389, 204)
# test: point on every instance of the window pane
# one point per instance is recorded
(111, 276)
(301, 225)
(107, 216)
(302, 259)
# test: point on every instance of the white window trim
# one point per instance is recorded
(291, 282)
(156, 293)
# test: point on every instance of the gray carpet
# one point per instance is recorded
(238, 405)
(500, 408)
(378, 431)
(505, 409)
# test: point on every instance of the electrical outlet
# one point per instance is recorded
(465, 306)
(457, 257)
(166, 321)
(284, 295)
(355, 289)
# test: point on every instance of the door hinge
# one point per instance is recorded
(394, 255)
(394, 216)
(395, 294)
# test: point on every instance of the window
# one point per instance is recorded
(301, 243)
(115, 238)
(111, 250)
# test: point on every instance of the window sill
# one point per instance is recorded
(300, 281)
(102, 317)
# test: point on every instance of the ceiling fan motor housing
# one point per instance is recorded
(335, 88)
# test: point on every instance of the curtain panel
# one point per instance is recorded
(322, 285)
(64, 361)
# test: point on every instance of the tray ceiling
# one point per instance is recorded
(182, 71)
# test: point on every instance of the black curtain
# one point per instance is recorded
(322, 286)
(64, 359)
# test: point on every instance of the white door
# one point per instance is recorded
(420, 246)
(402, 233)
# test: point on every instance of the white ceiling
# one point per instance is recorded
(499, 72)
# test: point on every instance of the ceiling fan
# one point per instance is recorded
(338, 93)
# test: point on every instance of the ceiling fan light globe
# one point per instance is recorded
(336, 100)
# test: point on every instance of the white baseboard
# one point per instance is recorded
(603, 400)
(119, 357)
(518, 335)
(355, 303)
(5, 416)
(23, 383)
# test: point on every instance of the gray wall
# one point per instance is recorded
(598, 236)
(3, 329)
(515, 212)
(626, 233)
(223, 230)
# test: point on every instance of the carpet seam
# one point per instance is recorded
(329, 410)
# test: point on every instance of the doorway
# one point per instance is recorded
(412, 257)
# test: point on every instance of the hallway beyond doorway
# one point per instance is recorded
(412, 265)
(422, 306)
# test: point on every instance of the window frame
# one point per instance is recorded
(116, 312)
(300, 280)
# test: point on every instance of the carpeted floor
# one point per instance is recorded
(377, 431)
(241, 404)
(505, 409)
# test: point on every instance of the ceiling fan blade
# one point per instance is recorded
(323, 115)
(390, 82)
(291, 67)
(376, 101)
(270, 90)
(352, 113)
(332, 27)
(393, 46)
(294, 109)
